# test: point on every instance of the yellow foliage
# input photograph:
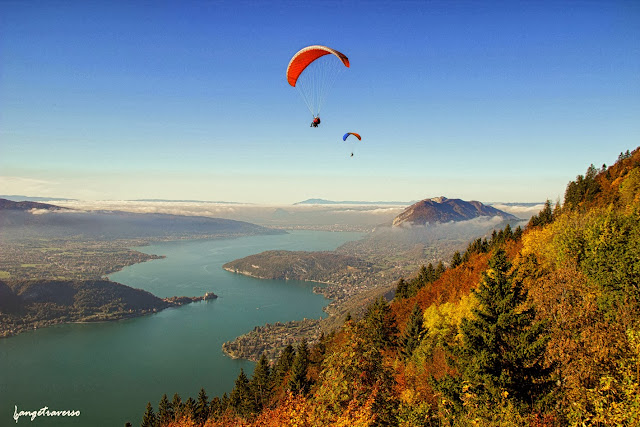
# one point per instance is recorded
(408, 396)
(557, 243)
(630, 188)
(293, 411)
(439, 319)
(536, 242)
(615, 400)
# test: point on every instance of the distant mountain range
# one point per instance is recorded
(17, 198)
(18, 220)
(185, 201)
(441, 210)
(332, 202)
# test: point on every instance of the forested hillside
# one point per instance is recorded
(533, 327)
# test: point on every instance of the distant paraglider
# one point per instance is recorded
(313, 70)
(346, 135)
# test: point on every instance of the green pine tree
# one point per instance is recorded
(544, 217)
(430, 274)
(149, 417)
(440, 269)
(261, 385)
(503, 347)
(517, 234)
(456, 260)
(202, 407)
(298, 382)
(508, 233)
(319, 350)
(241, 399)
(413, 333)
(282, 366)
(402, 289)
(176, 406)
(165, 411)
(225, 403)
(378, 324)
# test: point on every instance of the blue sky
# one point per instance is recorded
(491, 101)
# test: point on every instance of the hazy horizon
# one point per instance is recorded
(338, 217)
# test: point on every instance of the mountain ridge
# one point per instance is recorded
(442, 209)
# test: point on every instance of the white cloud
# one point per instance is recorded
(39, 211)
(521, 211)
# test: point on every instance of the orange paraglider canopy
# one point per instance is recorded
(306, 56)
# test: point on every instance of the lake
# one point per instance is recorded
(108, 371)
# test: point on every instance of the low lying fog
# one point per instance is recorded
(330, 216)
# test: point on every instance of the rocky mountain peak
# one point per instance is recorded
(441, 209)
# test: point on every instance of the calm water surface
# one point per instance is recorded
(108, 371)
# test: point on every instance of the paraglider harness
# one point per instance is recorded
(315, 122)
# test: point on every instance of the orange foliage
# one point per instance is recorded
(412, 381)
(357, 414)
(183, 422)
(293, 410)
(450, 287)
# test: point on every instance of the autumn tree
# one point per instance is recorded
(189, 409)
(354, 376)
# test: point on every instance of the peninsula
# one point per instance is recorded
(35, 304)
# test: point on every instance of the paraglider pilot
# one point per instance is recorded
(315, 122)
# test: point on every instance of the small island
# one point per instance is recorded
(187, 300)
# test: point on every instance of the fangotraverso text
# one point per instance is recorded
(43, 412)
